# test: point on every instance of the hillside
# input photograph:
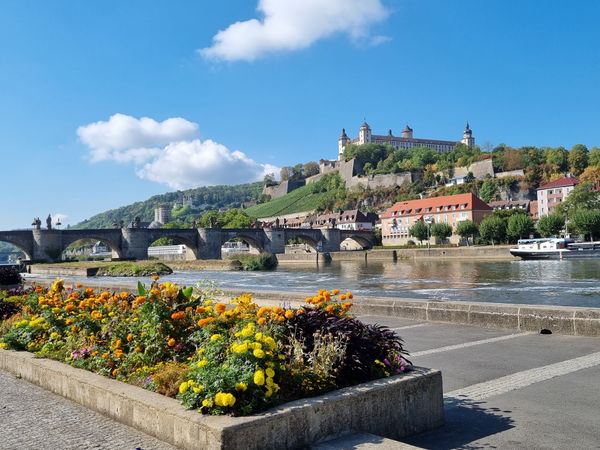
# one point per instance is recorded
(302, 199)
(201, 199)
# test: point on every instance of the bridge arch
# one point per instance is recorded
(306, 239)
(190, 251)
(255, 245)
(16, 243)
(114, 246)
(363, 241)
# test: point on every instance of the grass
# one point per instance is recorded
(300, 200)
(117, 269)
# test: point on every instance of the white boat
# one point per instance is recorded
(555, 248)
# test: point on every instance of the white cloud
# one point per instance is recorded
(169, 152)
(199, 163)
(289, 25)
(126, 139)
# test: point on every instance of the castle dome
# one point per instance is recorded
(365, 125)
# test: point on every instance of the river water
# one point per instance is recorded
(567, 282)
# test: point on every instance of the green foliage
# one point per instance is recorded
(558, 157)
(578, 158)
(493, 229)
(466, 229)
(203, 198)
(586, 222)
(264, 261)
(441, 231)
(232, 218)
(550, 225)
(310, 169)
(133, 269)
(487, 193)
(519, 226)
(594, 157)
(419, 231)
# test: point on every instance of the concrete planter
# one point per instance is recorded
(394, 407)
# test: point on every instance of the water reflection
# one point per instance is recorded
(569, 283)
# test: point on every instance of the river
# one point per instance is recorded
(567, 283)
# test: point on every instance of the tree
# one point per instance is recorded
(269, 179)
(558, 157)
(550, 225)
(466, 229)
(441, 231)
(310, 169)
(285, 173)
(591, 174)
(586, 222)
(594, 157)
(419, 230)
(488, 191)
(520, 226)
(493, 229)
(578, 158)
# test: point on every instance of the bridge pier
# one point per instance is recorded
(209, 244)
(275, 240)
(134, 243)
(47, 245)
(331, 240)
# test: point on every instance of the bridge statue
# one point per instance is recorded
(37, 223)
(49, 222)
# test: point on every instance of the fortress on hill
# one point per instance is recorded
(405, 140)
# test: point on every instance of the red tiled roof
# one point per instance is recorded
(561, 182)
(472, 203)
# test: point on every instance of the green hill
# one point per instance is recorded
(203, 198)
(302, 199)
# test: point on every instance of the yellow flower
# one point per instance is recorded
(259, 377)
(270, 372)
(202, 363)
(241, 386)
(207, 402)
(54, 335)
(224, 399)
(183, 387)
(198, 389)
(3, 345)
(215, 337)
(258, 353)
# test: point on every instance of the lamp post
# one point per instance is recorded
(428, 221)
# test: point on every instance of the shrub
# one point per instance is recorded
(219, 359)
(9, 275)
(264, 261)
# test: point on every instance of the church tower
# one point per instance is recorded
(468, 138)
(364, 134)
(342, 142)
(407, 133)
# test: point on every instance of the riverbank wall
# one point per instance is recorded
(566, 320)
(498, 252)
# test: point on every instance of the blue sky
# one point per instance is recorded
(77, 77)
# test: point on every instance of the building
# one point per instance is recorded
(405, 140)
(352, 219)
(499, 205)
(450, 209)
(552, 194)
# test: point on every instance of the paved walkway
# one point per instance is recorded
(503, 390)
(508, 390)
(32, 418)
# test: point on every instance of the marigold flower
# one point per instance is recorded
(270, 372)
(349, 295)
(207, 402)
(342, 297)
(261, 321)
(258, 353)
(241, 387)
(129, 337)
(215, 337)
(335, 291)
(200, 364)
(178, 315)
(329, 308)
(171, 342)
(299, 311)
(200, 309)
(259, 377)
(206, 321)
(183, 387)
(289, 314)
(220, 308)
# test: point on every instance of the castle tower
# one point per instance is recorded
(162, 214)
(342, 143)
(364, 134)
(407, 133)
(468, 138)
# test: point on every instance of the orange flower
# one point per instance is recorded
(346, 306)
(171, 342)
(289, 314)
(200, 309)
(342, 297)
(261, 321)
(115, 372)
(299, 311)
(155, 278)
(139, 300)
(79, 285)
(262, 311)
(206, 321)
(137, 350)
(220, 308)
(38, 290)
(119, 353)
(69, 307)
(335, 291)
(124, 295)
(349, 294)
(129, 337)
(329, 308)
(178, 315)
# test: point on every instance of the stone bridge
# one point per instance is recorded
(201, 243)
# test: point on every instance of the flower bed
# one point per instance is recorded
(219, 359)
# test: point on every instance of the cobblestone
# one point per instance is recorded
(32, 418)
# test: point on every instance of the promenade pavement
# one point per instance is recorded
(502, 389)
